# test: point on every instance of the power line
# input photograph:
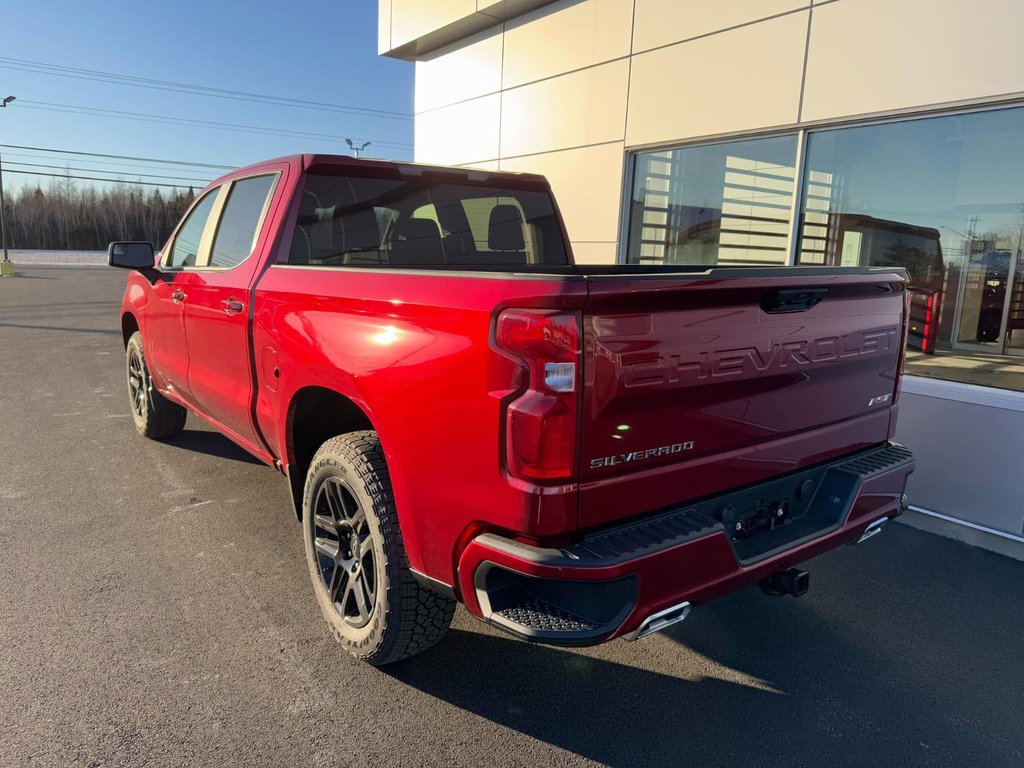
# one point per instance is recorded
(59, 70)
(109, 181)
(101, 170)
(39, 67)
(119, 157)
(171, 120)
(37, 156)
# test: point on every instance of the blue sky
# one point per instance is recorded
(318, 50)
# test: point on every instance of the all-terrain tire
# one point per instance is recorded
(154, 415)
(405, 618)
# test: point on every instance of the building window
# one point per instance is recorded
(942, 196)
(726, 203)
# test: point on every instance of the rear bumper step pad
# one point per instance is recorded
(612, 580)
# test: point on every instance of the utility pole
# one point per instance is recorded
(6, 268)
(356, 150)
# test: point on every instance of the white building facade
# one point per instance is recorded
(776, 132)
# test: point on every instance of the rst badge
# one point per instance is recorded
(649, 453)
(880, 399)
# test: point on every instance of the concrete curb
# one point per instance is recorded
(973, 536)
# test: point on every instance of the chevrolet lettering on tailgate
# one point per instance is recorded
(781, 356)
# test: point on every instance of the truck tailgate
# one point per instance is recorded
(694, 384)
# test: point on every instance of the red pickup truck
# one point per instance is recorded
(576, 453)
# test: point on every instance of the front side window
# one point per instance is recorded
(185, 249)
(718, 204)
(355, 221)
(239, 224)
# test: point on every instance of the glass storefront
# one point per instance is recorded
(727, 203)
(942, 196)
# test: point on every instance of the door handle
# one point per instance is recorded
(178, 296)
(232, 306)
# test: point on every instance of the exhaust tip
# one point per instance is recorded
(656, 622)
(873, 529)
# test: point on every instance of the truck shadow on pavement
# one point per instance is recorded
(212, 444)
(858, 676)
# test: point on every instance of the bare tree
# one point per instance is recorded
(68, 215)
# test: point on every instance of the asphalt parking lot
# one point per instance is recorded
(155, 610)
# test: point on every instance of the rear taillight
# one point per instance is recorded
(904, 332)
(541, 422)
(931, 322)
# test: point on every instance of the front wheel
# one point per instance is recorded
(357, 561)
(154, 415)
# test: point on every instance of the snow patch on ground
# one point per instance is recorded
(76, 258)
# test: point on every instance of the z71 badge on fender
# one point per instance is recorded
(649, 453)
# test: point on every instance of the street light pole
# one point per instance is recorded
(6, 268)
(356, 150)
(3, 227)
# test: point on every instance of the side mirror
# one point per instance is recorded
(131, 255)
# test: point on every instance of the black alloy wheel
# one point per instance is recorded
(154, 415)
(138, 383)
(345, 553)
(355, 552)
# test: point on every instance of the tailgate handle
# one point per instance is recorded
(792, 299)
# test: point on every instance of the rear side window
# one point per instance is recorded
(354, 221)
(185, 250)
(239, 224)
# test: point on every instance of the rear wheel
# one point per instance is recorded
(154, 415)
(357, 561)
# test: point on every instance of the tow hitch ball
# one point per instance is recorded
(789, 582)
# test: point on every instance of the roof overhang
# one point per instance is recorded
(413, 29)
